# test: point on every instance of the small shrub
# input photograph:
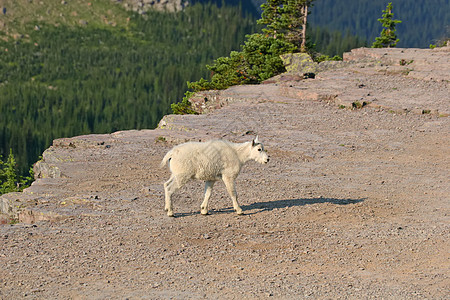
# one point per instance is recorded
(359, 105)
(404, 62)
(443, 42)
(184, 107)
(10, 180)
(161, 139)
(14, 221)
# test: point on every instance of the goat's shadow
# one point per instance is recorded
(271, 205)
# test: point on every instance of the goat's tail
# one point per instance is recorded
(166, 158)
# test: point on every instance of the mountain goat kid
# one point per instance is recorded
(210, 161)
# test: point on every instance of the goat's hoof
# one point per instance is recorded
(239, 212)
(204, 212)
(170, 213)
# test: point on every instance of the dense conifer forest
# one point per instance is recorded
(69, 80)
(423, 22)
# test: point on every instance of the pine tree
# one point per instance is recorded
(8, 176)
(271, 16)
(286, 19)
(10, 179)
(388, 37)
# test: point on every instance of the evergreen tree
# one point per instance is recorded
(9, 178)
(271, 16)
(388, 37)
(286, 19)
(258, 61)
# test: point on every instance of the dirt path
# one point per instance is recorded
(353, 204)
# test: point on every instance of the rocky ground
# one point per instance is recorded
(353, 204)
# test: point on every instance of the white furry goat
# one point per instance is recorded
(209, 161)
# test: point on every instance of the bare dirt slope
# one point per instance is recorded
(353, 204)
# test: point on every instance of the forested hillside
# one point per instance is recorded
(423, 22)
(87, 77)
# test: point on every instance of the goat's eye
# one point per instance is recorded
(259, 149)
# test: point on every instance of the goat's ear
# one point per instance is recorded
(256, 141)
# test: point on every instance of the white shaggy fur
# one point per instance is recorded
(209, 161)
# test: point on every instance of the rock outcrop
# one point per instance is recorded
(142, 6)
(302, 63)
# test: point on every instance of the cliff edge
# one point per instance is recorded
(353, 204)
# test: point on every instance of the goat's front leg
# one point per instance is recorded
(208, 190)
(230, 184)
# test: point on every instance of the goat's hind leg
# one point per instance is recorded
(170, 187)
(208, 190)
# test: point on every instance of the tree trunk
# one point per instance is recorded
(305, 15)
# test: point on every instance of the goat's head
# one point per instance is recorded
(258, 153)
